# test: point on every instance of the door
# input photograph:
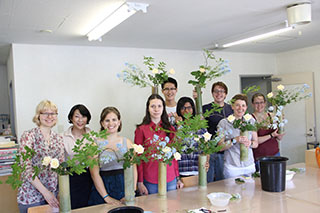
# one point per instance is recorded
(301, 127)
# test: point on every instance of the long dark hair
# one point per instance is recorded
(164, 116)
(182, 101)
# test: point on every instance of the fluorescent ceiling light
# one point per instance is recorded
(258, 37)
(123, 12)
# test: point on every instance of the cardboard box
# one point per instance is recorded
(310, 158)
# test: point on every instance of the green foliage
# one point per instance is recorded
(208, 72)
(85, 152)
(244, 125)
(250, 89)
(131, 157)
(194, 128)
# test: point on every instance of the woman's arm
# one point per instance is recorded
(254, 140)
(98, 183)
(48, 196)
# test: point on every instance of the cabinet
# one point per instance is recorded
(8, 197)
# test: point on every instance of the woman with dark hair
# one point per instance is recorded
(231, 142)
(80, 185)
(108, 177)
(267, 137)
(154, 118)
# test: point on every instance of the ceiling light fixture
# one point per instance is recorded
(258, 37)
(123, 12)
(299, 13)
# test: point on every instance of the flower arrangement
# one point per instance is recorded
(136, 76)
(280, 99)
(244, 126)
(162, 150)
(193, 133)
(133, 156)
(208, 72)
(84, 150)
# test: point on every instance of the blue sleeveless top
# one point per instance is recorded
(109, 158)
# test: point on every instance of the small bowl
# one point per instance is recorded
(289, 175)
(219, 198)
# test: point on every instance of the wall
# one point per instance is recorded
(303, 60)
(68, 75)
(4, 97)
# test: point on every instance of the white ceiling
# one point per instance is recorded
(169, 24)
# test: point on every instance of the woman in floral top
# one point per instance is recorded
(45, 142)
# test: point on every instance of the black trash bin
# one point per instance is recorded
(126, 209)
(273, 173)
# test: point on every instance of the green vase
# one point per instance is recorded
(202, 160)
(129, 185)
(64, 194)
(162, 179)
(198, 100)
(243, 148)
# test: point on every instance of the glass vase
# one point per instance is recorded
(162, 179)
(64, 194)
(129, 186)
(243, 148)
(202, 160)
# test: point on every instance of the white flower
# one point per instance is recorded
(280, 108)
(207, 136)
(155, 71)
(46, 161)
(54, 163)
(138, 148)
(196, 138)
(166, 149)
(172, 71)
(247, 117)
(202, 70)
(177, 156)
(270, 95)
(280, 87)
(271, 108)
(231, 118)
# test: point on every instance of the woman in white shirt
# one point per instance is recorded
(80, 185)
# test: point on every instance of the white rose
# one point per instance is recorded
(202, 70)
(196, 139)
(46, 161)
(247, 117)
(177, 156)
(207, 136)
(270, 95)
(171, 71)
(54, 163)
(155, 71)
(138, 148)
(280, 87)
(271, 108)
(231, 118)
(166, 149)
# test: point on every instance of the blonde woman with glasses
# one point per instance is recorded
(45, 142)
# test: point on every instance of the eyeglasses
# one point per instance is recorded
(186, 108)
(169, 89)
(219, 91)
(47, 114)
(258, 103)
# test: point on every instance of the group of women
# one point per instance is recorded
(104, 183)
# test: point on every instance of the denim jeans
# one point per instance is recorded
(258, 164)
(153, 188)
(215, 171)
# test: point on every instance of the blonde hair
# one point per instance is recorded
(43, 105)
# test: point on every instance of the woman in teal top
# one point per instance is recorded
(108, 177)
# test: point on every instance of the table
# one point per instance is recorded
(302, 194)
